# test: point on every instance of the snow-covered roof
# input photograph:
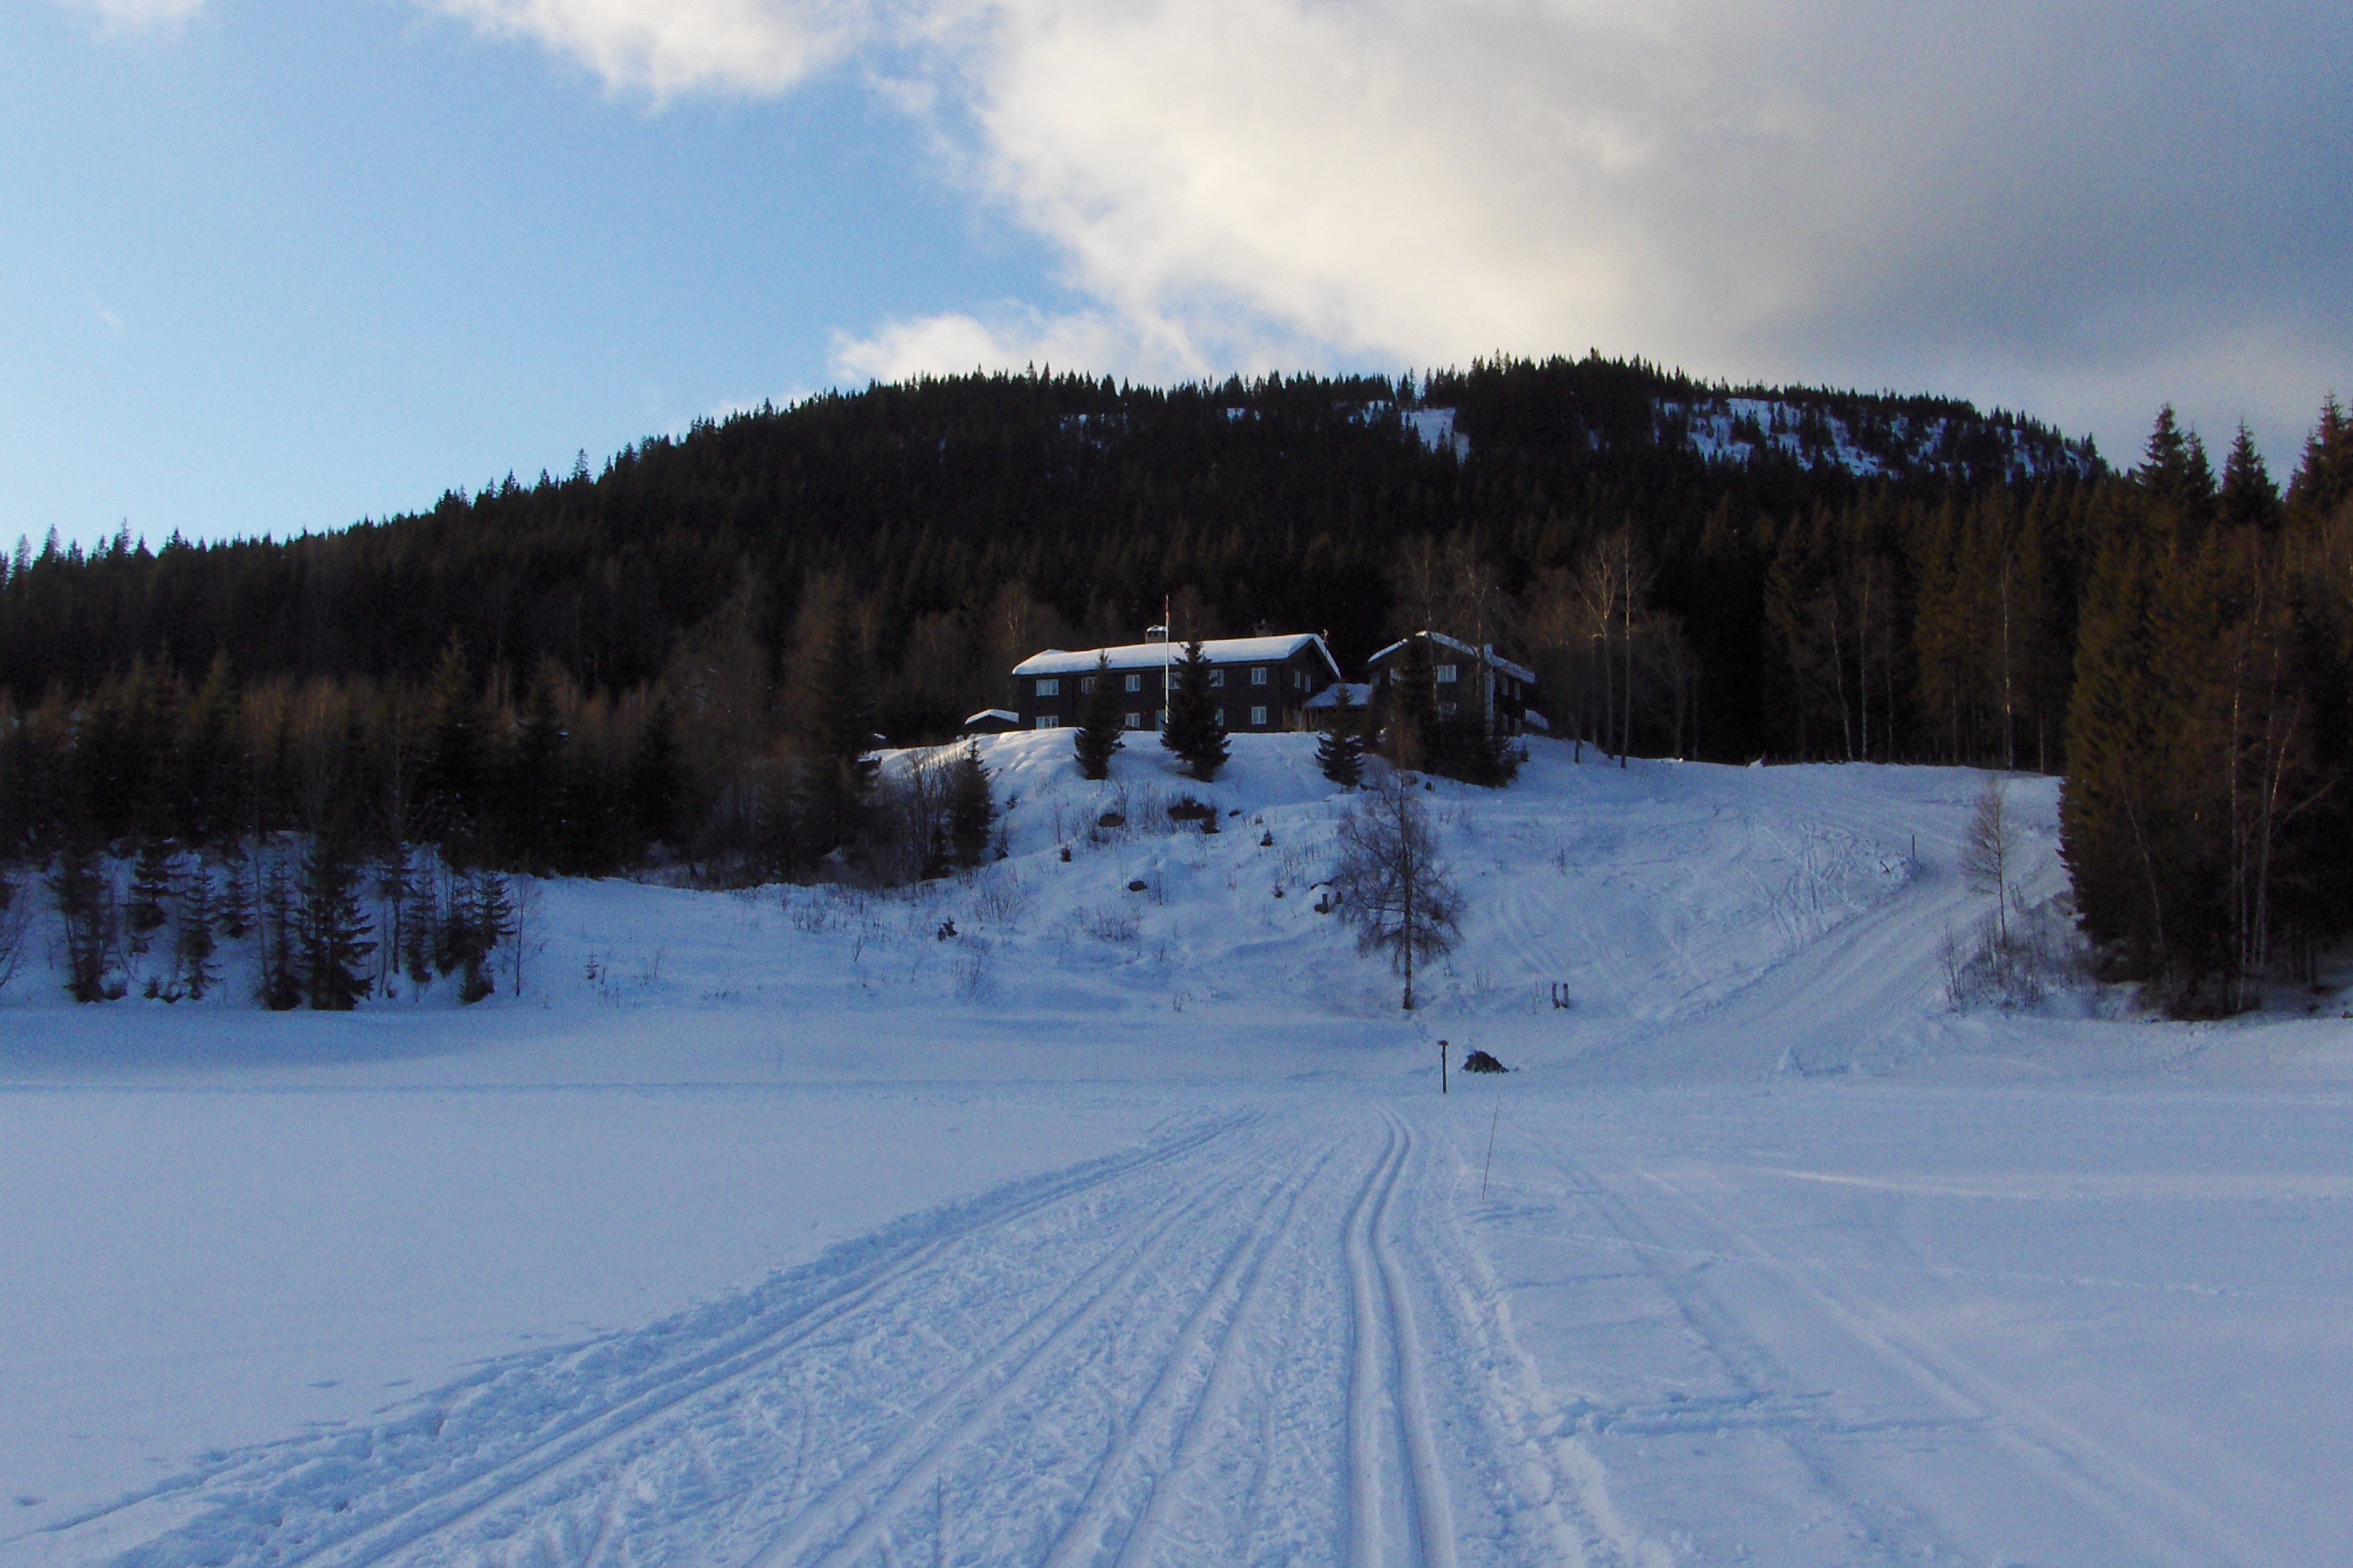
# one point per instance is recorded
(1517, 671)
(1149, 655)
(1361, 694)
(992, 715)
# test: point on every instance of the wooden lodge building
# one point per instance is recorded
(1260, 684)
(1494, 688)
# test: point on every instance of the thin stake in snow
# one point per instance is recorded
(1490, 1152)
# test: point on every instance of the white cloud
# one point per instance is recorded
(2064, 198)
(123, 17)
(664, 47)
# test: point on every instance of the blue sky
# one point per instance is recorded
(269, 267)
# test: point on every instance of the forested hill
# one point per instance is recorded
(969, 519)
(689, 656)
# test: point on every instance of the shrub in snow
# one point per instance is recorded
(2014, 960)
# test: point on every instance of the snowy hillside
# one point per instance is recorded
(1040, 1216)
(1869, 441)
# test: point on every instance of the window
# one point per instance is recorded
(1047, 722)
(1221, 718)
(1258, 717)
(1049, 687)
(1446, 710)
(1217, 678)
(1135, 683)
(1086, 684)
(1258, 674)
(1446, 674)
(1135, 720)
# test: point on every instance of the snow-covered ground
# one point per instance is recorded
(1131, 1226)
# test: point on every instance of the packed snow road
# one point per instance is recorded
(1249, 1343)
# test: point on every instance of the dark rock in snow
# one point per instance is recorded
(1479, 1061)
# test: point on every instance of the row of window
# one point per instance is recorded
(1051, 685)
(1137, 720)
(1450, 674)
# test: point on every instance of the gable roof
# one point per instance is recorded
(1503, 665)
(1149, 655)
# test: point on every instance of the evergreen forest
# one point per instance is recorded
(685, 660)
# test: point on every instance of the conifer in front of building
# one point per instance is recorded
(1193, 731)
(1099, 729)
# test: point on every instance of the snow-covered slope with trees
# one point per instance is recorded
(1105, 1209)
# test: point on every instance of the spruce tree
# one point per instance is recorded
(1100, 727)
(1193, 731)
(493, 903)
(457, 753)
(2323, 481)
(1340, 748)
(654, 788)
(535, 791)
(331, 931)
(843, 766)
(1412, 703)
(151, 890)
(280, 986)
(196, 948)
(972, 811)
(2250, 500)
(212, 760)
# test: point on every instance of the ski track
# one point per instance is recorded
(1233, 1345)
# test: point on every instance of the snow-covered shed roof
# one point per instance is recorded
(1517, 671)
(1149, 655)
(1360, 693)
(1004, 717)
